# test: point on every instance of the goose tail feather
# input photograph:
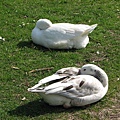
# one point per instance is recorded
(92, 27)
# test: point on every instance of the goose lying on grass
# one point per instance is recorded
(61, 35)
(73, 86)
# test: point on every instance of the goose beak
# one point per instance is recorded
(79, 72)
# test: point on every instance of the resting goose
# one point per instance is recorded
(81, 87)
(61, 35)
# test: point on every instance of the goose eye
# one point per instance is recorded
(84, 69)
(94, 70)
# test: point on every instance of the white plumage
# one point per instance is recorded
(73, 86)
(61, 35)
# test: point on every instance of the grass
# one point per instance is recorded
(18, 56)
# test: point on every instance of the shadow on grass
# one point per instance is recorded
(36, 108)
(30, 44)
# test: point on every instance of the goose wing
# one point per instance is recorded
(73, 87)
(60, 75)
(66, 31)
(60, 32)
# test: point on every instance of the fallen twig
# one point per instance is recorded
(40, 69)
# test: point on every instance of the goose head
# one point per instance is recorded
(97, 72)
(43, 24)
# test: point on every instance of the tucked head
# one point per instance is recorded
(97, 72)
(43, 24)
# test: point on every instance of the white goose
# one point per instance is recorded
(73, 86)
(61, 35)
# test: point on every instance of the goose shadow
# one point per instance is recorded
(36, 108)
(30, 44)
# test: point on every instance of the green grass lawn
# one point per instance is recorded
(18, 56)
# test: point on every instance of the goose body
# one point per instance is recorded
(82, 87)
(61, 35)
